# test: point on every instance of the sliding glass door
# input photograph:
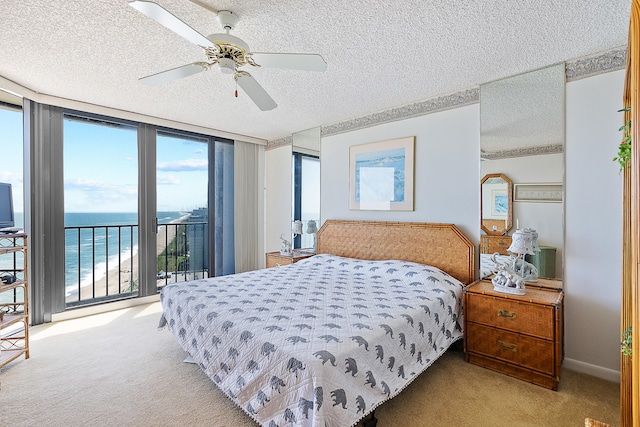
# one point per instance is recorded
(124, 207)
(182, 182)
(100, 209)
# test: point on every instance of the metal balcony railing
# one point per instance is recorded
(101, 262)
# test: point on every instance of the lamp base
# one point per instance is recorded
(508, 290)
(508, 282)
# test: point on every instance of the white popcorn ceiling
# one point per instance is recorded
(380, 55)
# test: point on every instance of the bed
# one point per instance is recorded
(488, 268)
(326, 340)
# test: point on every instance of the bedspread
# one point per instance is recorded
(321, 342)
(488, 267)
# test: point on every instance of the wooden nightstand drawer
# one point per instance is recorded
(516, 316)
(522, 350)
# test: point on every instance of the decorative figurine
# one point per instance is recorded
(506, 280)
(285, 246)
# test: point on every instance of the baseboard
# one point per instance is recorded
(594, 370)
(103, 308)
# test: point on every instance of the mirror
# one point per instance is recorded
(522, 121)
(306, 185)
(496, 209)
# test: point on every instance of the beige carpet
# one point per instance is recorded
(117, 369)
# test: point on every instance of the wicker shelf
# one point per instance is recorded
(14, 325)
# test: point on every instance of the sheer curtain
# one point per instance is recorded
(248, 166)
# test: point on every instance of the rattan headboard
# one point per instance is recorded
(440, 245)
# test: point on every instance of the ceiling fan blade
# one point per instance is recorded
(173, 74)
(256, 92)
(205, 6)
(291, 61)
(166, 19)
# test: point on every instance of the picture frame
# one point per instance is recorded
(539, 193)
(499, 203)
(381, 175)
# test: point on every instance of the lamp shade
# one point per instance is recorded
(534, 233)
(312, 227)
(296, 228)
(522, 243)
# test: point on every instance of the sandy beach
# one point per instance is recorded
(165, 235)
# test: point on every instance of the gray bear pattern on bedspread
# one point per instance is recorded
(321, 342)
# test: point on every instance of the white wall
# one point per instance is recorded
(593, 235)
(447, 184)
(447, 170)
(545, 218)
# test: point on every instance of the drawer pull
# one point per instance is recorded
(506, 313)
(506, 346)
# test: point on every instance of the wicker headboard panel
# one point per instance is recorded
(440, 245)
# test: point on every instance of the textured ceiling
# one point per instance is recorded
(380, 55)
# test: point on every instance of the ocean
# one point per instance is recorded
(122, 244)
(80, 271)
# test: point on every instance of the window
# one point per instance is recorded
(12, 173)
(100, 209)
(182, 182)
(107, 181)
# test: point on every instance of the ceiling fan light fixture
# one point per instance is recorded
(227, 66)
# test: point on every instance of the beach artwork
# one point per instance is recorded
(381, 175)
(499, 203)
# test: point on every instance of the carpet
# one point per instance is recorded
(116, 368)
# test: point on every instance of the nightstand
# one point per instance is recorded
(517, 335)
(275, 259)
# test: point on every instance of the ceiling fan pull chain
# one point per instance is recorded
(236, 88)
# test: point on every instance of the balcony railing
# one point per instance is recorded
(101, 262)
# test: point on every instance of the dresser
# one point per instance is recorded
(493, 244)
(275, 259)
(517, 335)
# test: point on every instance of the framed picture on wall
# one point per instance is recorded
(551, 192)
(499, 203)
(381, 175)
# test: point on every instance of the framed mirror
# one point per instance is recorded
(306, 186)
(496, 208)
(522, 133)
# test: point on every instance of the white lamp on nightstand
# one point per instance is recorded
(524, 242)
(312, 228)
(521, 245)
(509, 278)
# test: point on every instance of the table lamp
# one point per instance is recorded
(510, 278)
(524, 242)
(312, 228)
(296, 228)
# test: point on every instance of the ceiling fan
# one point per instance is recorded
(229, 52)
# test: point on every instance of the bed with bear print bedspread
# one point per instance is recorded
(321, 342)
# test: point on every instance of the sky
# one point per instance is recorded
(11, 153)
(101, 167)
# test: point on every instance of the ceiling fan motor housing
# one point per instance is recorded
(227, 65)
